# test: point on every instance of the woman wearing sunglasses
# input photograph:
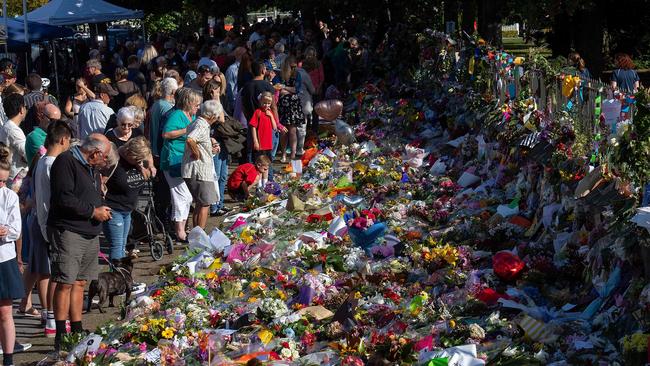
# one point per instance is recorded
(124, 131)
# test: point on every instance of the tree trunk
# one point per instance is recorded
(588, 31)
(468, 16)
(450, 12)
(560, 39)
(489, 21)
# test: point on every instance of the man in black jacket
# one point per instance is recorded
(74, 222)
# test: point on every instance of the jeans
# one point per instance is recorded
(274, 149)
(276, 143)
(221, 169)
(116, 231)
(249, 146)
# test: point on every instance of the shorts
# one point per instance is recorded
(11, 285)
(203, 192)
(181, 198)
(39, 256)
(74, 256)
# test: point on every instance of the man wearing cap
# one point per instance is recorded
(204, 74)
(34, 83)
(94, 68)
(94, 115)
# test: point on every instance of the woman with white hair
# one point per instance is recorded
(198, 165)
(124, 131)
(127, 179)
(158, 111)
(174, 134)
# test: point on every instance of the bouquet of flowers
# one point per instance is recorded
(365, 219)
(271, 308)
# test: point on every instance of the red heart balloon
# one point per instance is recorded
(507, 266)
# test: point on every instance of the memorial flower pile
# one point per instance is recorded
(459, 227)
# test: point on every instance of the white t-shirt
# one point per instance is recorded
(42, 191)
(10, 218)
(14, 137)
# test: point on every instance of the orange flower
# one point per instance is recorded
(413, 235)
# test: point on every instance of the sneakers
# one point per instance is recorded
(50, 326)
(50, 332)
(19, 347)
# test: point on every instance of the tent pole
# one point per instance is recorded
(29, 53)
(4, 15)
(56, 70)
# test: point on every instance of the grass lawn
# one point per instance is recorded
(517, 47)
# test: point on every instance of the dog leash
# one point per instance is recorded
(112, 266)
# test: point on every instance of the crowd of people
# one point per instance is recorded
(174, 113)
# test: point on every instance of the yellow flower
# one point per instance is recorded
(157, 322)
(357, 295)
(424, 295)
(282, 295)
(144, 328)
(252, 299)
(216, 264)
(210, 276)
(246, 236)
(168, 333)
(452, 323)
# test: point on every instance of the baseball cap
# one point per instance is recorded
(8, 74)
(105, 88)
(213, 69)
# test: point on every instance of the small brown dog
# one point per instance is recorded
(111, 284)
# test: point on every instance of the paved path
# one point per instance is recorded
(29, 330)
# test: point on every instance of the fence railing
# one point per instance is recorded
(552, 95)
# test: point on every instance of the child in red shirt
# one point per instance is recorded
(262, 125)
(247, 175)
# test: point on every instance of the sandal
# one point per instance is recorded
(31, 312)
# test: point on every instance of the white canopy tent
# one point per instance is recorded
(72, 12)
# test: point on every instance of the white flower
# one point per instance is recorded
(494, 318)
(476, 332)
(274, 307)
(510, 352)
(286, 353)
(613, 141)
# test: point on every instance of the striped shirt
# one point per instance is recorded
(36, 96)
(202, 168)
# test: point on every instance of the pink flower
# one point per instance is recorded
(360, 223)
